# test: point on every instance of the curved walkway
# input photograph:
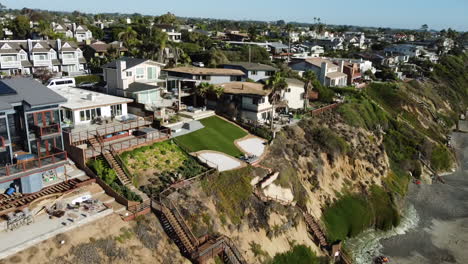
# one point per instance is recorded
(218, 160)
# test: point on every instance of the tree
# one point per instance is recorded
(154, 44)
(98, 33)
(168, 18)
(20, 27)
(309, 77)
(128, 37)
(45, 29)
(217, 57)
(277, 83)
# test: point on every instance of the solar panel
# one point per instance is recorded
(5, 89)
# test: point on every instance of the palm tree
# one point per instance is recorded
(154, 44)
(277, 83)
(201, 90)
(309, 77)
(128, 37)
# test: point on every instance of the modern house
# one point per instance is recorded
(27, 56)
(31, 144)
(253, 71)
(93, 121)
(99, 49)
(316, 51)
(80, 32)
(139, 79)
(328, 73)
(85, 107)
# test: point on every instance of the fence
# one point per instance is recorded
(22, 166)
(141, 140)
(323, 109)
(105, 130)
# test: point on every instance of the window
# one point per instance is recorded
(269, 73)
(24, 57)
(41, 57)
(257, 101)
(116, 110)
(254, 72)
(68, 55)
(206, 77)
(152, 73)
(140, 73)
(89, 114)
(129, 74)
(8, 58)
(236, 78)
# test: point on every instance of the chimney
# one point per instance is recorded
(30, 46)
(59, 44)
(323, 71)
(121, 65)
(341, 65)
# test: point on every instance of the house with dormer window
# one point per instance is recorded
(80, 32)
(27, 56)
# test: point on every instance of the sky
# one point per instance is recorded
(411, 14)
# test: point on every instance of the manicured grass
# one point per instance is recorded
(218, 135)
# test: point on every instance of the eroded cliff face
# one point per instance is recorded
(342, 159)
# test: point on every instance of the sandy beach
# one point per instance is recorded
(442, 233)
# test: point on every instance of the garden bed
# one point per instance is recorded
(160, 164)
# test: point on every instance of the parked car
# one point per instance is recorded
(61, 82)
(87, 85)
(198, 64)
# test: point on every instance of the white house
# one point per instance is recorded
(253, 71)
(80, 32)
(316, 51)
(134, 78)
(83, 106)
(293, 95)
(328, 73)
(404, 49)
(27, 56)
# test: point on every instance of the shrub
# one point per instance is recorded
(440, 159)
(300, 254)
(329, 140)
(87, 78)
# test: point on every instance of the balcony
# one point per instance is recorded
(39, 63)
(30, 164)
(86, 132)
(50, 130)
(69, 61)
(10, 64)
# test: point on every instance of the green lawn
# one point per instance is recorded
(218, 135)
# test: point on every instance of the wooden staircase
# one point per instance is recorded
(231, 254)
(123, 177)
(316, 230)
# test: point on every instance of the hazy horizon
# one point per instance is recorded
(395, 14)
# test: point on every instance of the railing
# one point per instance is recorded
(141, 140)
(105, 130)
(234, 250)
(48, 130)
(169, 205)
(121, 164)
(70, 61)
(23, 166)
(10, 64)
(42, 62)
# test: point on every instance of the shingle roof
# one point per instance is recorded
(318, 62)
(131, 62)
(140, 87)
(206, 71)
(29, 91)
(333, 75)
(251, 66)
(245, 88)
(292, 81)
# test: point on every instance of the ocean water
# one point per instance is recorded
(366, 246)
